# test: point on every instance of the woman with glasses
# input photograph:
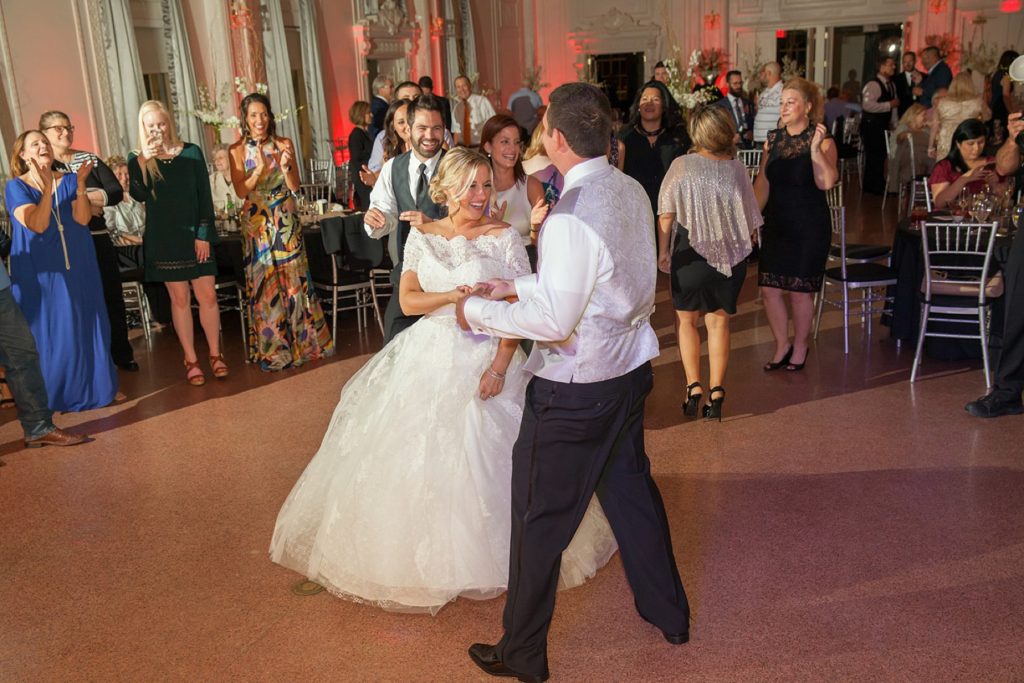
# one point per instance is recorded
(102, 190)
(287, 326)
(170, 177)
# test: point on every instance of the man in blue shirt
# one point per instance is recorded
(20, 359)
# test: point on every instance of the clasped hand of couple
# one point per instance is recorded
(491, 381)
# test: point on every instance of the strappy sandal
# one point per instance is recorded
(219, 371)
(194, 374)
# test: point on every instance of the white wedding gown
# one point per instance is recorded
(407, 503)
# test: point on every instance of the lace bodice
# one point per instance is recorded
(442, 264)
(782, 145)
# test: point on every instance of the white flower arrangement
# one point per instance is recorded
(211, 113)
(679, 87)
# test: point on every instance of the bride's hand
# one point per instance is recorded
(459, 293)
(491, 384)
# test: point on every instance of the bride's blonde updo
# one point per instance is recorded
(454, 176)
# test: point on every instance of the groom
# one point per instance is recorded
(589, 308)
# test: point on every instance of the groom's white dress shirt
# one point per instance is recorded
(589, 305)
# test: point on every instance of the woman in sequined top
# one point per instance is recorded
(708, 203)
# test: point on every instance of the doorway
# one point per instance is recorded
(620, 75)
(855, 54)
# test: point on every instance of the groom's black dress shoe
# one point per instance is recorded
(677, 638)
(485, 657)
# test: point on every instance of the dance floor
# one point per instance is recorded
(839, 525)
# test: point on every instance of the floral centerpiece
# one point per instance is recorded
(680, 85)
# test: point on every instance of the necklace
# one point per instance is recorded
(60, 224)
(650, 133)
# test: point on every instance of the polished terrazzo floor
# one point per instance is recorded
(839, 525)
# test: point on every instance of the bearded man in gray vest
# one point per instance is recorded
(401, 198)
(588, 307)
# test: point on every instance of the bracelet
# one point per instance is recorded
(500, 376)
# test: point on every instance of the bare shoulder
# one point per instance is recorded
(494, 228)
(438, 227)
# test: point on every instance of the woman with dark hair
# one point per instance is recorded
(651, 138)
(359, 147)
(56, 280)
(397, 134)
(103, 190)
(1000, 99)
(519, 198)
(965, 166)
(286, 325)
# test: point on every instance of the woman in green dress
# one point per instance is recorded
(170, 177)
(287, 325)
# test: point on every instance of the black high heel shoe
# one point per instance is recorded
(772, 365)
(794, 367)
(690, 408)
(713, 408)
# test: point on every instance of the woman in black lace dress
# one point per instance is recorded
(797, 167)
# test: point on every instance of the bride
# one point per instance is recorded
(407, 503)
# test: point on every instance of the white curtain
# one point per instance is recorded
(279, 74)
(124, 69)
(181, 76)
(312, 72)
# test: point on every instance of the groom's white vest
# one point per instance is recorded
(615, 335)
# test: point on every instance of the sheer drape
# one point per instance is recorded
(181, 77)
(319, 124)
(279, 74)
(124, 71)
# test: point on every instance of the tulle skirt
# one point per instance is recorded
(406, 504)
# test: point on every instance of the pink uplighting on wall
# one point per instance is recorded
(1010, 6)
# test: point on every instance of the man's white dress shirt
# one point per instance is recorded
(589, 305)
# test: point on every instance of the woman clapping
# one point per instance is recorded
(56, 281)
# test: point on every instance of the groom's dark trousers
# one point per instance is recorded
(575, 439)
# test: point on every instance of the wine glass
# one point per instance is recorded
(981, 208)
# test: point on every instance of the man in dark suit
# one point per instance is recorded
(401, 198)
(740, 108)
(905, 81)
(938, 77)
(1005, 397)
(383, 87)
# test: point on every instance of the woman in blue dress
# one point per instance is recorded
(56, 280)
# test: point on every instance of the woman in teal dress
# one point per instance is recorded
(56, 279)
(287, 325)
(170, 177)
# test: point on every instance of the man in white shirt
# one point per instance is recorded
(405, 91)
(767, 118)
(879, 104)
(401, 198)
(469, 114)
(588, 308)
